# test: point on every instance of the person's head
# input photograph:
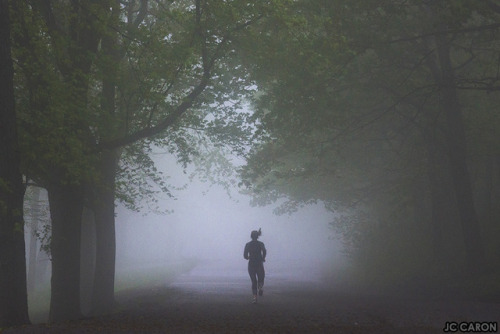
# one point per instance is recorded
(255, 234)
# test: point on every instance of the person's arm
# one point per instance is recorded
(245, 252)
(264, 252)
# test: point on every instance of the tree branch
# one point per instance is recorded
(45, 8)
(143, 10)
(493, 6)
(163, 125)
(446, 32)
(487, 88)
(208, 62)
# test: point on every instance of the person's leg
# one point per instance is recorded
(253, 276)
(260, 278)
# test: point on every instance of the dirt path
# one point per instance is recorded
(213, 299)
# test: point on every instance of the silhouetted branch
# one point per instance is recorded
(492, 26)
(164, 124)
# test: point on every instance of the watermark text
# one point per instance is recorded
(471, 327)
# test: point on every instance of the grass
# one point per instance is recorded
(147, 275)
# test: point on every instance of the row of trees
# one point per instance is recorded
(97, 83)
(388, 113)
(384, 111)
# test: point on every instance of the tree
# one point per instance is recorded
(13, 300)
(193, 53)
(353, 108)
(88, 110)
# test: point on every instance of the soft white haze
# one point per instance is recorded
(216, 227)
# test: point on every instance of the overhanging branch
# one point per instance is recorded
(164, 124)
(492, 26)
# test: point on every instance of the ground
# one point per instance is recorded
(216, 298)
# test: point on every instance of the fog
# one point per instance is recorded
(204, 231)
(207, 224)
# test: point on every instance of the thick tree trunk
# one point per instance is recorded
(13, 295)
(88, 256)
(32, 260)
(456, 142)
(104, 201)
(484, 186)
(66, 208)
(104, 208)
(437, 199)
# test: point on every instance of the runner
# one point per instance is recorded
(255, 253)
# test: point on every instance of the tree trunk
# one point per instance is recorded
(32, 260)
(104, 208)
(13, 295)
(484, 186)
(66, 208)
(437, 206)
(104, 201)
(456, 142)
(88, 256)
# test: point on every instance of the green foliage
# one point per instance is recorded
(139, 183)
(135, 66)
(37, 217)
(53, 124)
(348, 113)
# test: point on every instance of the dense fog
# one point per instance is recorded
(208, 224)
(154, 126)
(204, 226)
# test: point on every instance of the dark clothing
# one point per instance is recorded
(255, 253)
(257, 275)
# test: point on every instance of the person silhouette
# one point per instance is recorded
(255, 252)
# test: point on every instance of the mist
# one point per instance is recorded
(206, 223)
(203, 230)
(379, 121)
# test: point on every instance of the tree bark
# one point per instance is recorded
(104, 192)
(13, 295)
(66, 208)
(79, 38)
(437, 200)
(456, 142)
(32, 261)
(87, 263)
(104, 208)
